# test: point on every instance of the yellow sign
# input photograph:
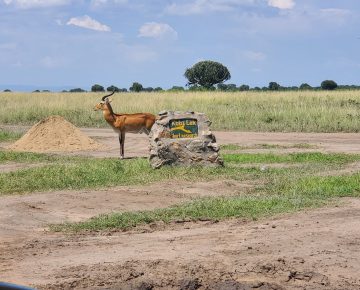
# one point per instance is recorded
(183, 128)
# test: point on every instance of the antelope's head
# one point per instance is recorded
(104, 102)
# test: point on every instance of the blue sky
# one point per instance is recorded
(77, 43)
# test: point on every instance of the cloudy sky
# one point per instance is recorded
(78, 43)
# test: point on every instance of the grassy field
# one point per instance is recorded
(286, 189)
(302, 111)
(293, 184)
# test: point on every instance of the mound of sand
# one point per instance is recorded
(54, 134)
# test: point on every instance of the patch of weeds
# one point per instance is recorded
(306, 192)
(81, 172)
(321, 187)
(9, 135)
(234, 147)
(229, 147)
(284, 190)
(77, 173)
(218, 208)
(12, 156)
(314, 157)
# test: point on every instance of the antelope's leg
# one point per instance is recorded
(122, 144)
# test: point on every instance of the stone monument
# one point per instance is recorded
(183, 138)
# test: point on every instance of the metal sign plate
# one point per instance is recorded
(183, 128)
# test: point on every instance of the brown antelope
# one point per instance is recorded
(122, 123)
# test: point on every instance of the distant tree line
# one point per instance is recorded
(210, 76)
(272, 86)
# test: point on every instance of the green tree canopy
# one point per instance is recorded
(274, 86)
(305, 86)
(244, 88)
(77, 90)
(112, 89)
(328, 85)
(176, 88)
(207, 74)
(136, 87)
(149, 89)
(97, 88)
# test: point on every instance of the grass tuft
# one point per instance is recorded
(9, 135)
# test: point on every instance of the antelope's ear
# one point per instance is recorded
(110, 100)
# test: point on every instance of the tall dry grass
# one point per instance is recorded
(302, 111)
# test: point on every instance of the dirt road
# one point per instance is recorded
(317, 249)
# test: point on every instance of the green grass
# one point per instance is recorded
(313, 157)
(302, 111)
(322, 187)
(235, 147)
(206, 208)
(6, 135)
(23, 157)
(280, 190)
(79, 172)
(308, 192)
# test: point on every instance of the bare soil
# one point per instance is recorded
(315, 249)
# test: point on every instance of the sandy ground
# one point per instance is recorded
(317, 249)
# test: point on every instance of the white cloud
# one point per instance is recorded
(35, 3)
(282, 4)
(157, 30)
(98, 3)
(335, 12)
(89, 23)
(335, 15)
(50, 62)
(254, 55)
(203, 6)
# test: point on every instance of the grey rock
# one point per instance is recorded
(189, 143)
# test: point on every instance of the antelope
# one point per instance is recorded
(122, 123)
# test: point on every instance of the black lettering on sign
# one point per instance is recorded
(183, 128)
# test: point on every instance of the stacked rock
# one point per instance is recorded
(183, 138)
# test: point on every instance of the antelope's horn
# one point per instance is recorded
(104, 97)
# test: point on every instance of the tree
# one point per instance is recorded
(112, 89)
(244, 88)
(222, 87)
(136, 87)
(328, 85)
(148, 89)
(177, 88)
(207, 74)
(97, 88)
(158, 89)
(305, 86)
(7, 91)
(274, 86)
(76, 90)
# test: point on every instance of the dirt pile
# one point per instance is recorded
(54, 134)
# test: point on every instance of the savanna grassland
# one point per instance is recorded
(300, 111)
(80, 222)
